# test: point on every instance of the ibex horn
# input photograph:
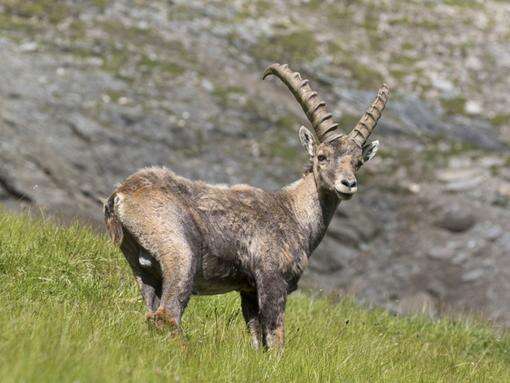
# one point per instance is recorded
(367, 123)
(315, 109)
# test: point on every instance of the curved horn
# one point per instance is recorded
(314, 108)
(367, 123)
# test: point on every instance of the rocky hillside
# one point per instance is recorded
(93, 90)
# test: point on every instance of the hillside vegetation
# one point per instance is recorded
(69, 311)
(93, 90)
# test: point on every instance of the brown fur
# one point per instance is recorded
(184, 237)
(206, 239)
(113, 225)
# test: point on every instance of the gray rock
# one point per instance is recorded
(492, 232)
(344, 234)
(332, 256)
(473, 275)
(326, 263)
(464, 184)
(457, 220)
(460, 257)
(441, 253)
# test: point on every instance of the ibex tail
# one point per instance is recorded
(113, 225)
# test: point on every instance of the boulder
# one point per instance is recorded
(457, 220)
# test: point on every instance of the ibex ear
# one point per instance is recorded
(369, 150)
(307, 140)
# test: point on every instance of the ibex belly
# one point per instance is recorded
(217, 276)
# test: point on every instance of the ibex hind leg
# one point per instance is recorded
(147, 274)
(177, 267)
(149, 278)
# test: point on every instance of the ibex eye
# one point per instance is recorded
(321, 157)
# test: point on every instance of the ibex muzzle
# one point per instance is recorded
(184, 237)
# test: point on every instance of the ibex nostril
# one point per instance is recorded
(349, 183)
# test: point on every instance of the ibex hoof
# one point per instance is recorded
(162, 319)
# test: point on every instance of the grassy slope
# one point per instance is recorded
(69, 311)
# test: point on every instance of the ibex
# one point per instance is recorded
(184, 237)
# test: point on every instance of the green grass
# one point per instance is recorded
(295, 47)
(47, 10)
(69, 312)
(454, 105)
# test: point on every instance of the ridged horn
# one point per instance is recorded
(315, 109)
(368, 122)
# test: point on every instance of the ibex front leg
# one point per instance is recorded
(272, 297)
(250, 307)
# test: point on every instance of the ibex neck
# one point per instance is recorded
(313, 209)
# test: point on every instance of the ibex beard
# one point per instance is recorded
(184, 237)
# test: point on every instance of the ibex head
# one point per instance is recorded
(335, 156)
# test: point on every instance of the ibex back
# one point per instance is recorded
(184, 237)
